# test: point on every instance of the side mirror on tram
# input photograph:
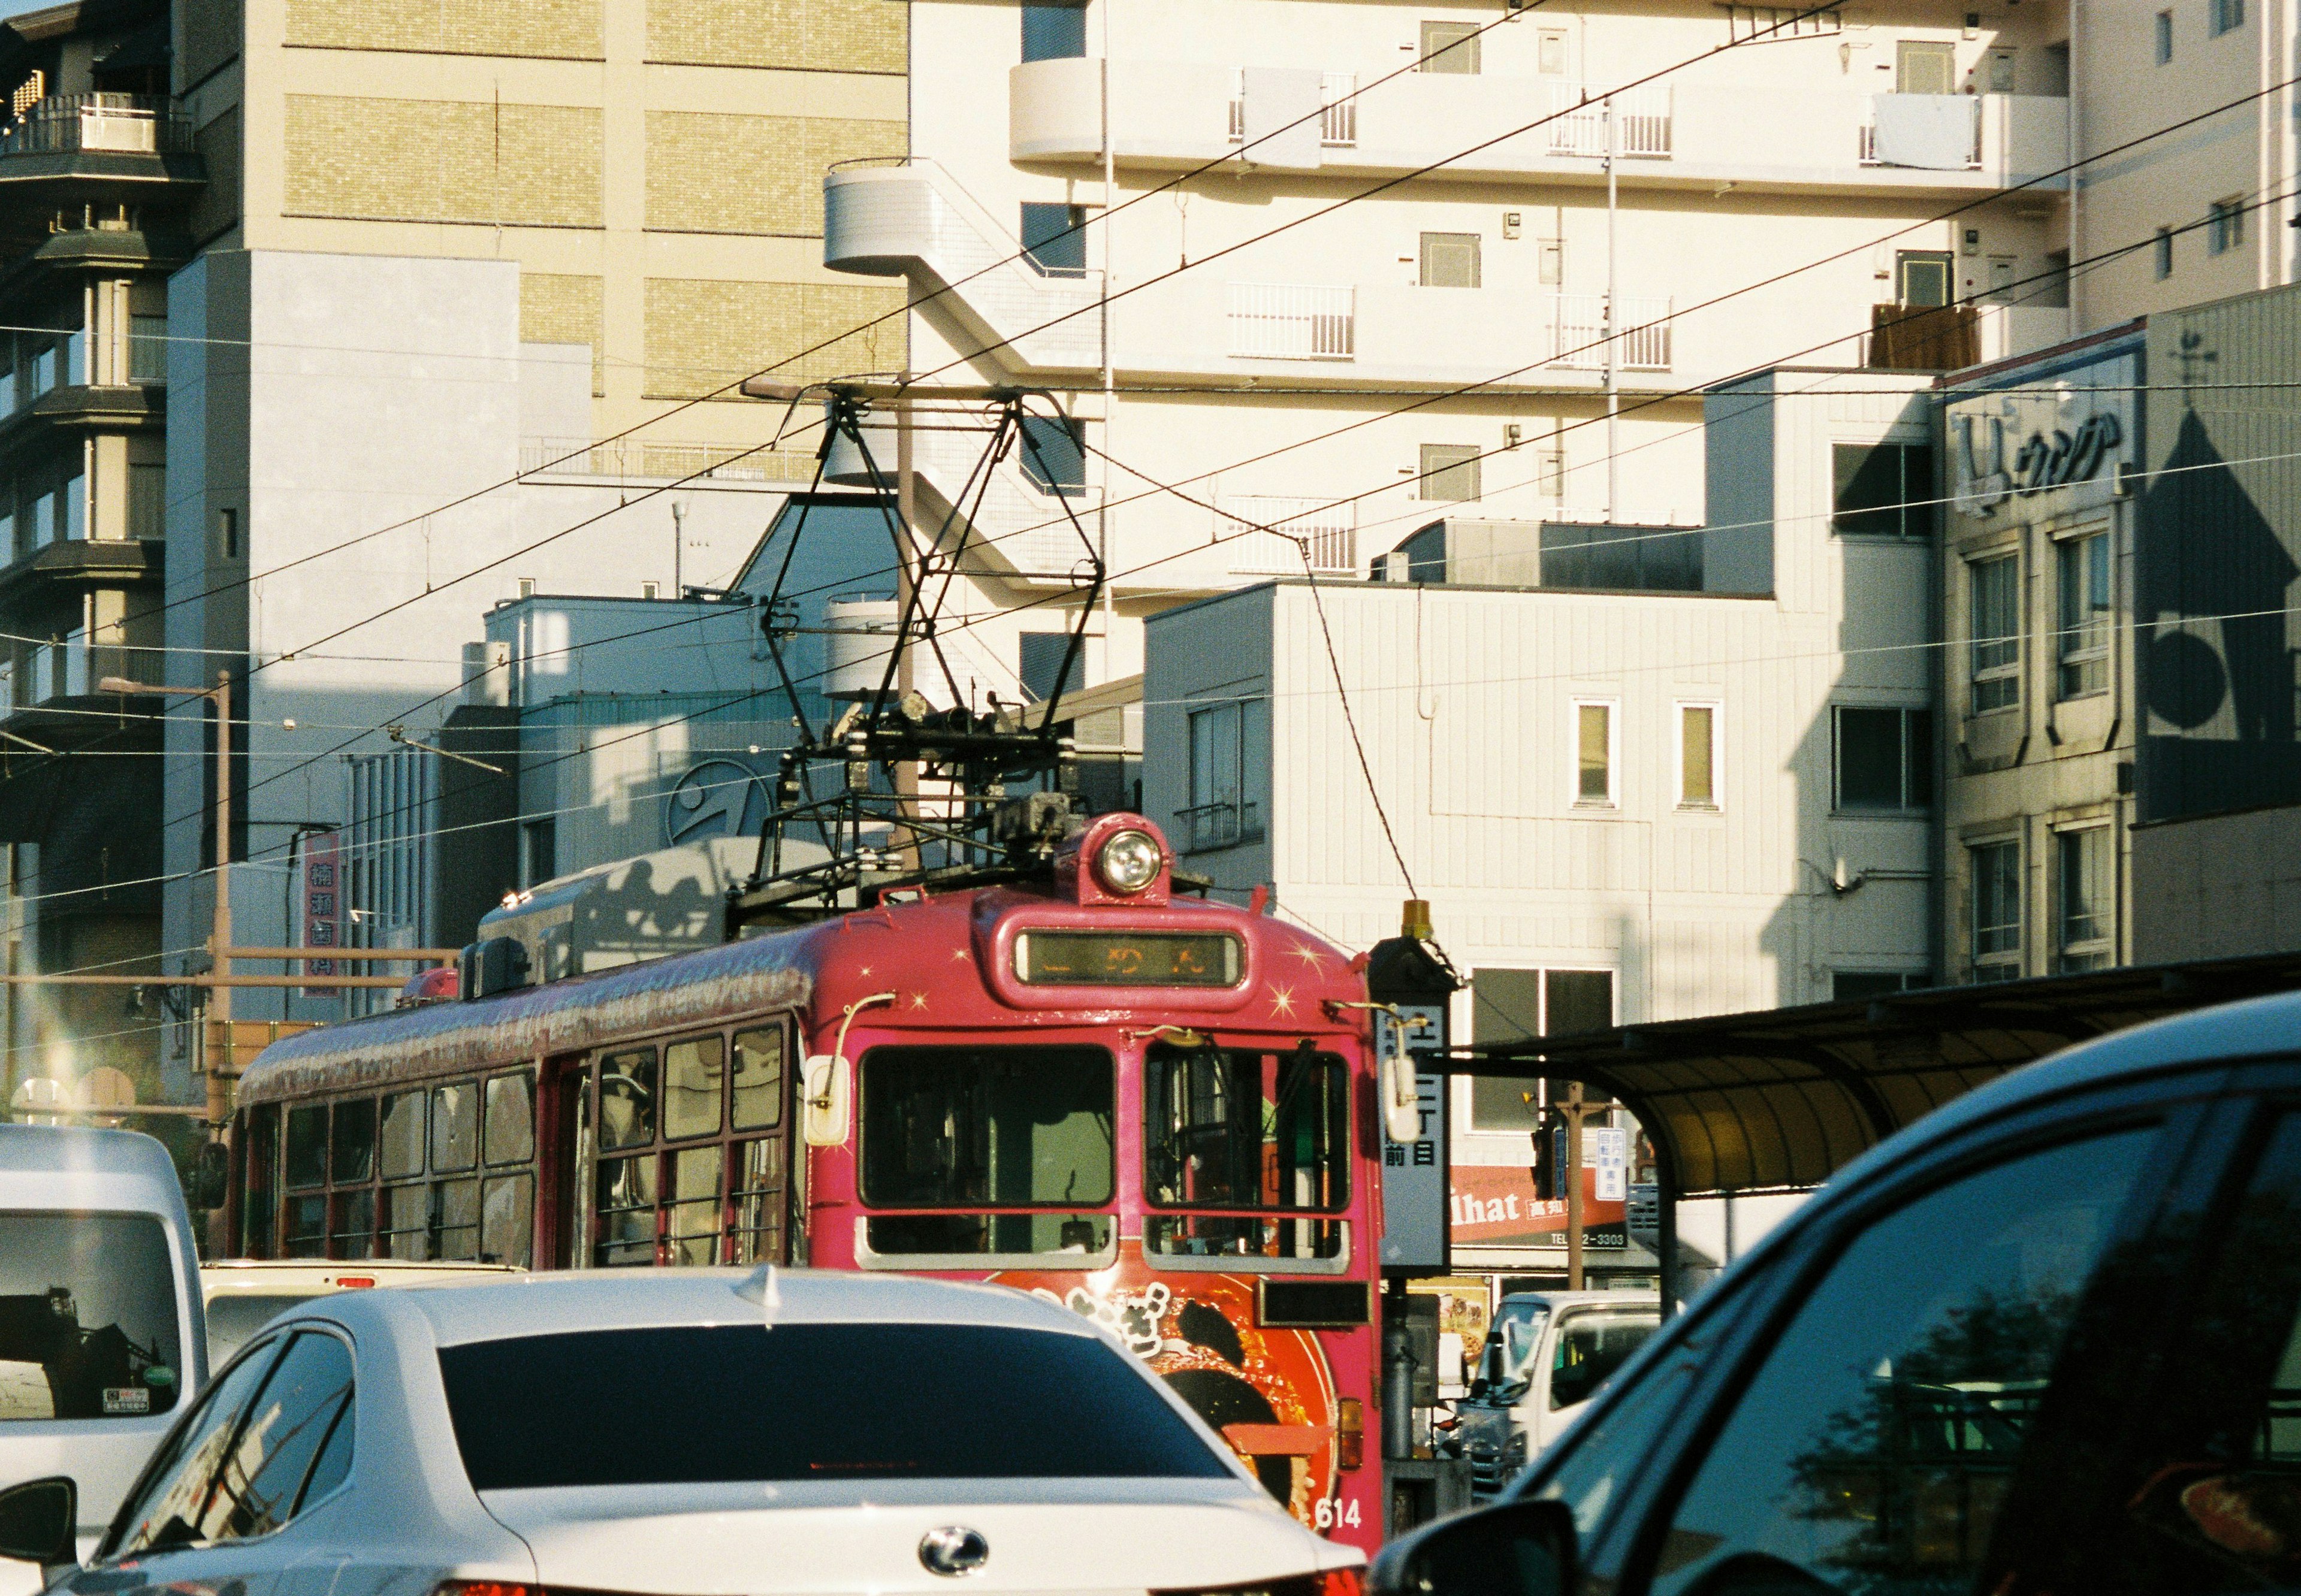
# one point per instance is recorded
(1402, 1098)
(825, 1082)
(1511, 1548)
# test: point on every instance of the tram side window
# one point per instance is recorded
(1250, 1133)
(671, 1184)
(260, 1182)
(958, 1131)
(304, 1233)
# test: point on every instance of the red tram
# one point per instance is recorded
(1164, 1114)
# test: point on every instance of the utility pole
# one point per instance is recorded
(1110, 378)
(1572, 1111)
(678, 548)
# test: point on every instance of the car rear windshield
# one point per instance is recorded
(690, 1404)
(88, 1316)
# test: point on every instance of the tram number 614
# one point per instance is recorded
(1333, 1515)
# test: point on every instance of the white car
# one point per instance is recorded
(691, 1433)
(244, 1294)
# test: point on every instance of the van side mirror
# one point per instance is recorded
(39, 1523)
(1511, 1548)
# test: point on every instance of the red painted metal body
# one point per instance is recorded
(1291, 1391)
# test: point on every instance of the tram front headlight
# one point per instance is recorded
(1129, 861)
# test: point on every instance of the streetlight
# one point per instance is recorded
(220, 929)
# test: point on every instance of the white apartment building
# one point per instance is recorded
(1278, 343)
(1620, 805)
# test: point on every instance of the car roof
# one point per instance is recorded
(75, 1167)
(565, 1301)
(1586, 1299)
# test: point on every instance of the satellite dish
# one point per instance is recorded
(104, 1087)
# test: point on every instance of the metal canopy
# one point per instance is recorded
(1780, 1101)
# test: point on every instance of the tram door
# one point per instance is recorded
(677, 1151)
(569, 1091)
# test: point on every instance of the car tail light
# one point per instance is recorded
(483, 1587)
(1350, 1443)
(1342, 1581)
(353, 1283)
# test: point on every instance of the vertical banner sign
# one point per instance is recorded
(1609, 1158)
(1414, 1193)
(323, 915)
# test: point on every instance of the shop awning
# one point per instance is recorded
(1779, 1100)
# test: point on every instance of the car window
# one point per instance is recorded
(848, 1402)
(167, 1501)
(233, 1317)
(88, 1316)
(1590, 1348)
(2206, 1495)
(282, 1437)
(1877, 1442)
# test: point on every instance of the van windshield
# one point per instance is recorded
(88, 1316)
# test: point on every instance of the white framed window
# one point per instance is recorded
(2225, 225)
(2226, 16)
(2081, 642)
(1995, 588)
(1515, 1005)
(1595, 729)
(2084, 895)
(1996, 893)
(1700, 780)
(1229, 772)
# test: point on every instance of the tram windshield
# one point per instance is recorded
(1233, 1128)
(956, 1134)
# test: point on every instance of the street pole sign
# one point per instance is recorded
(1414, 1194)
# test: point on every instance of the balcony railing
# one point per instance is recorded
(1220, 824)
(1338, 117)
(1271, 321)
(1941, 159)
(624, 458)
(1642, 121)
(1328, 529)
(123, 124)
(1576, 332)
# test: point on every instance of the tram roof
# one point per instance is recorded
(1780, 1100)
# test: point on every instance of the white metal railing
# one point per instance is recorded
(1642, 121)
(1338, 115)
(1274, 321)
(1329, 530)
(1575, 328)
(630, 458)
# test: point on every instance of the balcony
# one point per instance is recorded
(913, 220)
(1328, 531)
(120, 124)
(1689, 133)
(630, 459)
(1271, 321)
(1392, 326)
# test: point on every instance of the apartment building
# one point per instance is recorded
(1325, 218)
(1622, 803)
(2203, 214)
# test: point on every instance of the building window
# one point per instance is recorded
(1450, 470)
(1509, 1005)
(2162, 254)
(1450, 260)
(1996, 589)
(1885, 759)
(1043, 656)
(1230, 769)
(147, 349)
(540, 849)
(2227, 14)
(1697, 756)
(2084, 890)
(1051, 455)
(2225, 225)
(1593, 751)
(1053, 32)
(1864, 986)
(148, 501)
(1883, 491)
(1449, 48)
(2082, 643)
(1921, 277)
(1996, 910)
(1054, 237)
(2164, 36)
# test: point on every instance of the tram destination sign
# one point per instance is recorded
(1126, 958)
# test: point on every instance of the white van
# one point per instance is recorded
(102, 1334)
(1545, 1357)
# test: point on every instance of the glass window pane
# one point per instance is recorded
(1593, 751)
(1230, 1128)
(403, 1134)
(1918, 760)
(1576, 1001)
(1876, 1445)
(1997, 901)
(353, 1228)
(2085, 882)
(454, 1125)
(282, 1436)
(511, 1118)
(1053, 31)
(1589, 1348)
(455, 1220)
(334, 1463)
(508, 1220)
(304, 1229)
(627, 1099)
(758, 1079)
(967, 1127)
(1696, 728)
(307, 1148)
(626, 1211)
(1995, 586)
(408, 1217)
(692, 1220)
(1870, 758)
(352, 1156)
(694, 1080)
(88, 1316)
(175, 1492)
(760, 1201)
